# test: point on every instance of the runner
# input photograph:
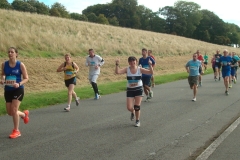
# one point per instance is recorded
(217, 66)
(193, 66)
(235, 56)
(205, 61)
(70, 69)
(200, 58)
(213, 66)
(233, 70)
(146, 77)
(94, 62)
(152, 78)
(225, 61)
(14, 76)
(134, 86)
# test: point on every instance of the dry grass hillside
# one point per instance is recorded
(43, 40)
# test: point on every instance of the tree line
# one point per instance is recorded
(184, 18)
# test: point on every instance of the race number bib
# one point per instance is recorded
(10, 80)
(133, 83)
(92, 63)
(68, 73)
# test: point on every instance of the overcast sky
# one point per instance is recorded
(227, 10)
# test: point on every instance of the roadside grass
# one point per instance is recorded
(40, 100)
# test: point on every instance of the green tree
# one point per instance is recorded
(126, 13)
(24, 6)
(77, 16)
(113, 21)
(175, 21)
(192, 15)
(102, 19)
(92, 17)
(5, 5)
(40, 7)
(60, 9)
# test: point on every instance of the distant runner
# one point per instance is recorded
(152, 78)
(192, 68)
(225, 61)
(217, 66)
(146, 78)
(94, 62)
(200, 58)
(205, 61)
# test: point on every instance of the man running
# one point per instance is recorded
(192, 68)
(225, 61)
(233, 70)
(144, 62)
(200, 58)
(205, 61)
(94, 62)
(217, 66)
(152, 78)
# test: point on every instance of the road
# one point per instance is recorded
(172, 126)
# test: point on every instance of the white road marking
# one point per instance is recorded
(218, 141)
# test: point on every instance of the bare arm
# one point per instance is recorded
(76, 67)
(146, 71)
(118, 70)
(61, 68)
(2, 75)
(24, 75)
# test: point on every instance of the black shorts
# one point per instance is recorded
(206, 63)
(14, 94)
(146, 80)
(134, 92)
(70, 81)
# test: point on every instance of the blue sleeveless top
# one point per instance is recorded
(13, 75)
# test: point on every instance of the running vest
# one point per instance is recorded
(68, 73)
(134, 80)
(13, 75)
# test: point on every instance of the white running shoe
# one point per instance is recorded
(77, 101)
(97, 97)
(67, 108)
(194, 99)
(151, 94)
(137, 124)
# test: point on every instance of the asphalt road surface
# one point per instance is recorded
(172, 126)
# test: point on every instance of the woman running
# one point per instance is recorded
(14, 75)
(70, 69)
(134, 85)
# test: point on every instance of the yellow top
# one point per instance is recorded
(69, 72)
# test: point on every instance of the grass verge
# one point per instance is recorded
(39, 100)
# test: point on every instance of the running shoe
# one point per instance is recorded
(226, 92)
(132, 116)
(26, 118)
(67, 108)
(97, 96)
(15, 134)
(194, 99)
(230, 86)
(137, 123)
(200, 84)
(147, 99)
(77, 101)
(235, 81)
(151, 94)
(219, 78)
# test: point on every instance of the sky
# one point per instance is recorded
(227, 10)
